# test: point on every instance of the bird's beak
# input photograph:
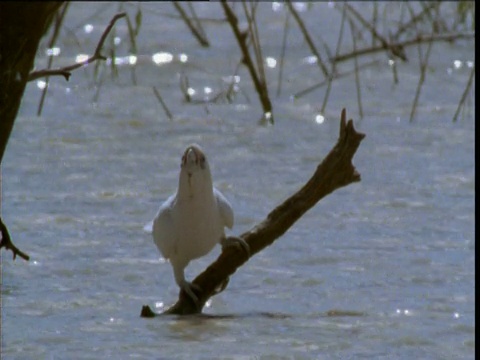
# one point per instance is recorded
(193, 155)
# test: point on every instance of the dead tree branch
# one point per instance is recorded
(258, 81)
(308, 39)
(197, 32)
(403, 44)
(59, 18)
(6, 242)
(465, 94)
(334, 172)
(97, 55)
(395, 50)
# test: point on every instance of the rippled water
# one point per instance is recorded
(383, 268)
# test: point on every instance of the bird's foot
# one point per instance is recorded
(222, 286)
(235, 241)
(189, 288)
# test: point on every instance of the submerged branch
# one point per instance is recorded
(334, 172)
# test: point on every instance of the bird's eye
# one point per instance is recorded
(202, 162)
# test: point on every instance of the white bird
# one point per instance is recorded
(191, 222)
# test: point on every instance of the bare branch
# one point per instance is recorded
(414, 19)
(416, 40)
(241, 37)
(49, 72)
(96, 56)
(464, 95)
(164, 106)
(357, 77)
(308, 39)
(395, 50)
(199, 34)
(7, 243)
(336, 76)
(59, 17)
(423, 70)
(334, 172)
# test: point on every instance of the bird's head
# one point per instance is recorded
(195, 171)
(194, 160)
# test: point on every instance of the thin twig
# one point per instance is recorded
(60, 16)
(231, 86)
(423, 70)
(184, 86)
(196, 33)
(132, 33)
(308, 39)
(160, 100)
(96, 56)
(253, 31)
(6, 242)
(334, 77)
(282, 53)
(374, 20)
(464, 95)
(394, 50)
(438, 25)
(98, 81)
(413, 20)
(197, 21)
(420, 39)
(334, 65)
(357, 77)
(260, 86)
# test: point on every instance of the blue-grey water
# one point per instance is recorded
(381, 269)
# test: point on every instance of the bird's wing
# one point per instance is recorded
(225, 209)
(163, 228)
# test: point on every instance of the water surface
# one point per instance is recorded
(383, 268)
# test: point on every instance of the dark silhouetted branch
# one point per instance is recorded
(308, 39)
(464, 95)
(59, 17)
(395, 50)
(7, 243)
(416, 40)
(164, 106)
(260, 84)
(199, 34)
(423, 70)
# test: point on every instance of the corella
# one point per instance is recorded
(192, 221)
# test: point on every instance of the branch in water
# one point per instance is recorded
(66, 71)
(334, 172)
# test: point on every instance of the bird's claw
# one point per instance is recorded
(222, 286)
(189, 288)
(235, 241)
